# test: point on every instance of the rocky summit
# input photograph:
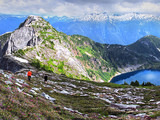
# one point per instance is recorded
(63, 98)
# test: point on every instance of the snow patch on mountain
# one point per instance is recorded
(158, 49)
(21, 59)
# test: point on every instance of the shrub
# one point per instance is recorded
(136, 83)
(60, 66)
(19, 53)
(36, 63)
(149, 84)
(125, 83)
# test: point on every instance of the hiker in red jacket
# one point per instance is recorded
(29, 75)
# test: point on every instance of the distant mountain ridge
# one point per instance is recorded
(143, 54)
(107, 28)
(76, 56)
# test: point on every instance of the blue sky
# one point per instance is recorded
(78, 8)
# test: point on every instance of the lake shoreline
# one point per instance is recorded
(146, 75)
(118, 73)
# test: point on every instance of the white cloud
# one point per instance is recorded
(150, 7)
(77, 7)
(141, 7)
(42, 11)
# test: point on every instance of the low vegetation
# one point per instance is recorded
(74, 99)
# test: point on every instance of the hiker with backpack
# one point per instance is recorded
(45, 78)
(29, 75)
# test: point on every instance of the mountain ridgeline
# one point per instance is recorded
(36, 44)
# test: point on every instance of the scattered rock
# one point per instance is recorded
(27, 94)
(140, 103)
(32, 91)
(152, 100)
(127, 96)
(8, 82)
(129, 92)
(65, 92)
(48, 97)
(46, 85)
(141, 115)
(37, 89)
(131, 117)
(108, 101)
(116, 90)
(20, 81)
(19, 90)
(113, 116)
(124, 106)
(7, 76)
(71, 110)
(18, 84)
(158, 103)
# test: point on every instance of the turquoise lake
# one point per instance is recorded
(152, 76)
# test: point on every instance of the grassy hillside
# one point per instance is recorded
(72, 99)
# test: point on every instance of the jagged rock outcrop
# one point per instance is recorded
(25, 35)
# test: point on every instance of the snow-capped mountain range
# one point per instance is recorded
(119, 17)
(104, 28)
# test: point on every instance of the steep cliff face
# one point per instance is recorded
(25, 35)
(22, 37)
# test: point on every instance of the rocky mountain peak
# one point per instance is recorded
(31, 20)
(27, 34)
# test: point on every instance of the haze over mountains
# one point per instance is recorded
(104, 28)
